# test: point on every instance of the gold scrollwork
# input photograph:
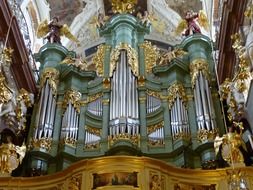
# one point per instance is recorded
(153, 93)
(204, 135)
(131, 57)
(155, 143)
(182, 135)
(5, 92)
(134, 139)
(94, 97)
(126, 6)
(99, 58)
(153, 128)
(79, 63)
(75, 183)
(44, 143)
(175, 90)
(7, 55)
(74, 98)
(52, 75)
(93, 130)
(167, 57)
(196, 66)
(69, 141)
(151, 54)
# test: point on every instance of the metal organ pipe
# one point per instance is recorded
(203, 103)
(46, 113)
(124, 99)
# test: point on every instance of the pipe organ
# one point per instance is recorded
(124, 107)
(44, 123)
(202, 96)
(125, 101)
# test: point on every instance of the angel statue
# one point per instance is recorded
(100, 20)
(53, 31)
(147, 18)
(189, 24)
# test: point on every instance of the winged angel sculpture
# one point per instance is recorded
(53, 31)
(189, 25)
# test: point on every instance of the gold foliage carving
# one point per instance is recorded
(125, 6)
(75, 183)
(153, 93)
(78, 63)
(5, 92)
(204, 135)
(7, 55)
(131, 57)
(74, 98)
(52, 75)
(153, 128)
(98, 60)
(196, 66)
(134, 139)
(175, 90)
(93, 130)
(151, 54)
(43, 143)
(94, 97)
(167, 57)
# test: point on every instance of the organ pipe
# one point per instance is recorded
(203, 103)
(124, 113)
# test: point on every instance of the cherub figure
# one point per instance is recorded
(189, 23)
(53, 31)
(170, 55)
(146, 18)
(100, 20)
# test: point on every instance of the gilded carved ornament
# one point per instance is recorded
(106, 83)
(24, 100)
(167, 57)
(93, 130)
(94, 97)
(199, 65)
(6, 93)
(153, 93)
(153, 128)
(141, 81)
(73, 97)
(98, 60)
(204, 134)
(151, 54)
(11, 156)
(7, 55)
(231, 143)
(75, 183)
(175, 90)
(43, 143)
(78, 63)
(52, 75)
(123, 6)
(243, 73)
(131, 58)
(134, 139)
